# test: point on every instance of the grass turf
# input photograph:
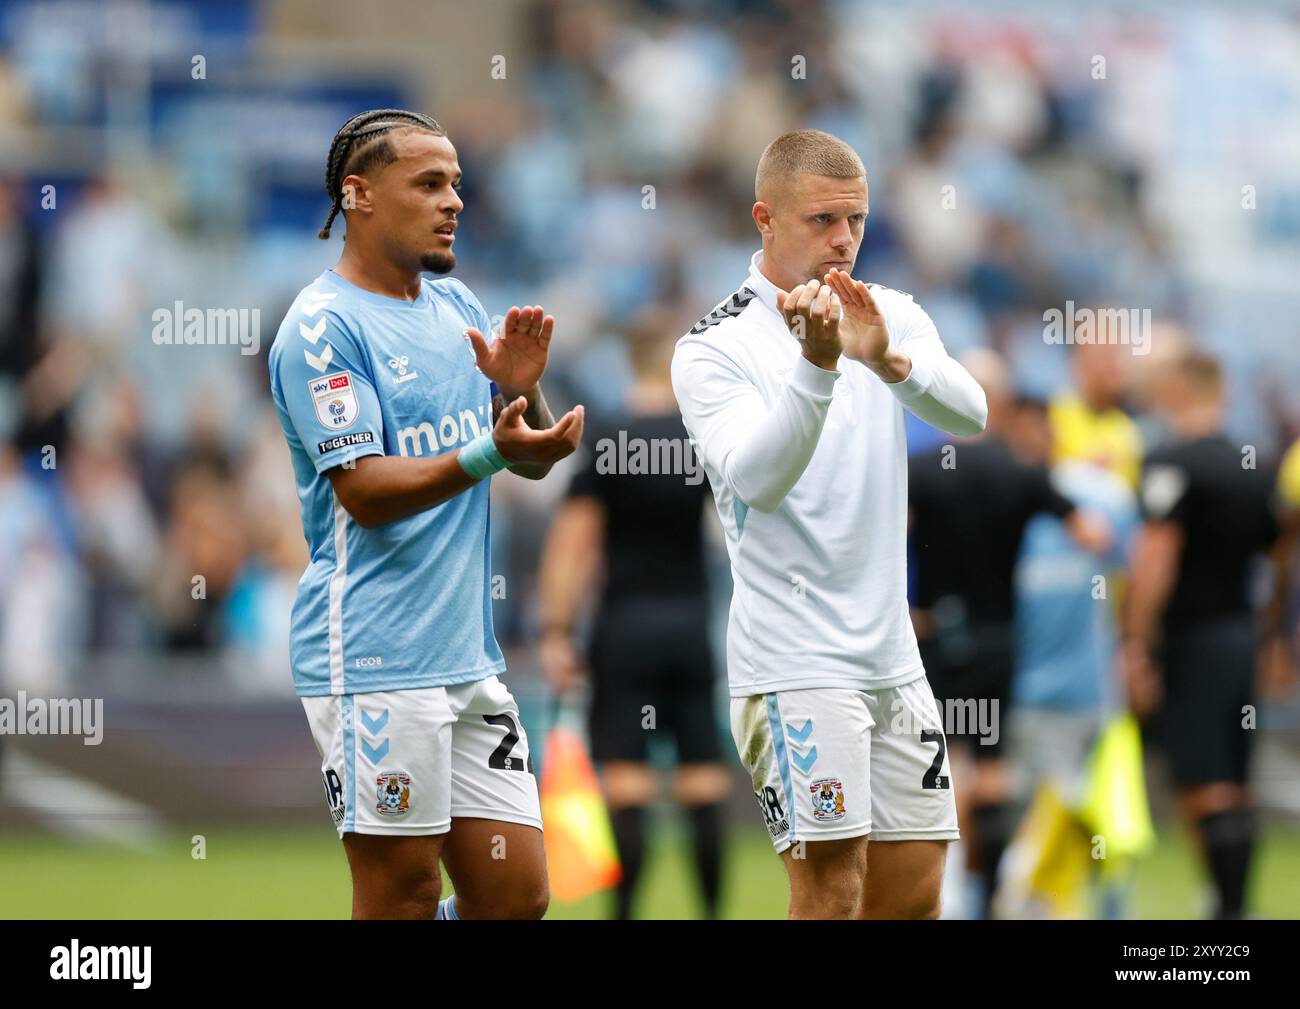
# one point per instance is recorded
(302, 873)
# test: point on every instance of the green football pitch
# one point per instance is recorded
(302, 873)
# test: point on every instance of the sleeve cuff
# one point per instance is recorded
(807, 377)
(917, 383)
(339, 456)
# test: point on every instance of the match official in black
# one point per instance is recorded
(1191, 635)
(631, 538)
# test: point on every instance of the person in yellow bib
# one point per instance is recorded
(1279, 661)
(1088, 422)
(1288, 483)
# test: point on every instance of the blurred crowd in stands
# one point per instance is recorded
(1015, 163)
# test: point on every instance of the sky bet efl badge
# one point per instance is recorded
(335, 399)
(393, 793)
(827, 799)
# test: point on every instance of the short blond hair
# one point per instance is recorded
(810, 152)
(1201, 372)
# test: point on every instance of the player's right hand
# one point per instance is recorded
(518, 442)
(813, 312)
(1276, 669)
(561, 663)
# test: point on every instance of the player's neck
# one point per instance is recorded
(647, 396)
(1199, 421)
(1098, 403)
(377, 275)
(769, 268)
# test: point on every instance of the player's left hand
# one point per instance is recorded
(516, 359)
(1090, 531)
(561, 663)
(1142, 679)
(862, 330)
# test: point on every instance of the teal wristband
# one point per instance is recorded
(480, 457)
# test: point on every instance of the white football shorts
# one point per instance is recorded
(829, 763)
(407, 761)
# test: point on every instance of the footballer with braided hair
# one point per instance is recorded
(398, 406)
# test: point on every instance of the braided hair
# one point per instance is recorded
(354, 148)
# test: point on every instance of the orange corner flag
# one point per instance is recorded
(581, 857)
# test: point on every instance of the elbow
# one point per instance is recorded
(766, 501)
(975, 422)
(360, 511)
(759, 499)
(960, 425)
(363, 518)
(971, 426)
(753, 482)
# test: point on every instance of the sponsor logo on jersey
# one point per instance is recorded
(773, 815)
(334, 795)
(429, 438)
(345, 440)
(827, 798)
(399, 365)
(314, 301)
(335, 400)
(728, 309)
(393, 793)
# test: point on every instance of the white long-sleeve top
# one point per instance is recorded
(809, 474)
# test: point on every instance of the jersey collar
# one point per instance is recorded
(378, 299)
(759, 284)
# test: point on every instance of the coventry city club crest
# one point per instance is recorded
(393, 792)
(827, 798)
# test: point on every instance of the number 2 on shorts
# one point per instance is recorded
(500, 758)
(933, 779)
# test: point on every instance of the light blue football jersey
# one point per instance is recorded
(1066, 638)
(406, 604)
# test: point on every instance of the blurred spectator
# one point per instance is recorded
(1004, 179)
(21, 271)
(1089, 423)
(41, 620)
